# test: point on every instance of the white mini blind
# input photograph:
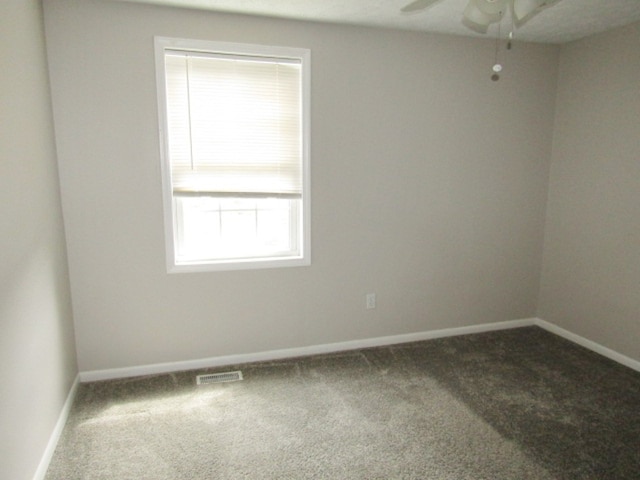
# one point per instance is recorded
(234, 124)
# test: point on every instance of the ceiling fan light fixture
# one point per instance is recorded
(480, 14)
(478, 18)
(481, 29)
(491, 7)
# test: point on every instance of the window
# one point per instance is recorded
(234, 122)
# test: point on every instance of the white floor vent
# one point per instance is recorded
(219, 377)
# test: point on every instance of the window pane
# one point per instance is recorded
(198, 227)
(228, 228)
(273, 228)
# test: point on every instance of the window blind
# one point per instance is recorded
(234, 124)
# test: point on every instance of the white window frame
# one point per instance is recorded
(163, 44)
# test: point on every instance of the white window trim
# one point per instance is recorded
(167, 43)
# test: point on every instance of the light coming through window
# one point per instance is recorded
(234, 123)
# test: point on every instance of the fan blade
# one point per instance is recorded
(524, 9)
(418, 5)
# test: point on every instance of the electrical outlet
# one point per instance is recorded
(371, 300)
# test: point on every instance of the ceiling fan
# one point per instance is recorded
(479, 14)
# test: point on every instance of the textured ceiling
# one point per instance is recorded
(566, 21)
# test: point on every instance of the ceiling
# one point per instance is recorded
(566, 21)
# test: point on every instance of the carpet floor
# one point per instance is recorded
(510, 405)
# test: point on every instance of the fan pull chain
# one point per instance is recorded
(497, 67)
(513, 29)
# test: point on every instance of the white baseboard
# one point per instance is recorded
(57, 431)
(96, 375)
(591, 345)
(158, 368)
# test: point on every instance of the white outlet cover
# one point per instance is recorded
(371, 300)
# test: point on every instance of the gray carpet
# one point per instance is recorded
(510, 405)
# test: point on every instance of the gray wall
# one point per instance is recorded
(37, 352)
(429, 186)
(591, 277)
